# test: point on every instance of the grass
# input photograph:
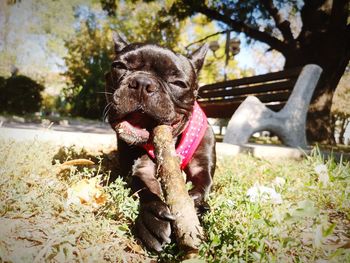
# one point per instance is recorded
(36, 223)
(310, 224)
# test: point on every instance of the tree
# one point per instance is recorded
(323, 39)
(143, 22)
(90, 52)
(89, 56)
(340, 107)
(198, 27)
(20, 95)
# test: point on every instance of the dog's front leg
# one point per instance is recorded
(200, 171)
(153, 223)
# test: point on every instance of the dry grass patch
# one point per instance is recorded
(37, 224)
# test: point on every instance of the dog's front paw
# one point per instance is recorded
(153, 224)
(199, 201)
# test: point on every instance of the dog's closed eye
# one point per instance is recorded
(119, 65)
(179, 83)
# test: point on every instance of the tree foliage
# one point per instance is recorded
(146, 22)
(90, 52)
(20, 95)
(214, 68)
(89, 56)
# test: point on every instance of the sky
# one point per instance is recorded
(30, 47)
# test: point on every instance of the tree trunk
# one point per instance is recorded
(324, 40)
(333, 124)
(319, 122)
(344, 124)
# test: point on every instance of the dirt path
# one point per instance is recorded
(61, 138)
(86, 126)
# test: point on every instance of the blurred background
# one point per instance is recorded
(54, 54)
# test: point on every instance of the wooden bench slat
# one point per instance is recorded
(236, 91)
(225, 110)
(286, 74)
(269, 97)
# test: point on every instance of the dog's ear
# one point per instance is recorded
(198, 56)
(119, 42)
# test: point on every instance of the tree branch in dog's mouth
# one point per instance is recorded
(136, 127)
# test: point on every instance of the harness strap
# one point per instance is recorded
(191, 137)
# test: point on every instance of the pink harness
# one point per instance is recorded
(191, 136)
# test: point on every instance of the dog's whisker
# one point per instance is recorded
(104, 92)
(105, 115)
(106, 111)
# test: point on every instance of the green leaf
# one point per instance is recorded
(216, 241)
(306, 208)
(329, 230)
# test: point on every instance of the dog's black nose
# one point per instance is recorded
(143, 83)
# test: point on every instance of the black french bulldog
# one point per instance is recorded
(150, 85)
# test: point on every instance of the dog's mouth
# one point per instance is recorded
(137, 127)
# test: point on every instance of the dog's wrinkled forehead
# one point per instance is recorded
(157, 60)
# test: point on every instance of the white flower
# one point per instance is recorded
(321, 168)
(264, 194)
(322, 173)
(279, 181)
(230, 203)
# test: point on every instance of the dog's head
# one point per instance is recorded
(149, 85)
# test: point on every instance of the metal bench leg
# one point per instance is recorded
(288, 124)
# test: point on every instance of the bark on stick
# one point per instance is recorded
(186, 226)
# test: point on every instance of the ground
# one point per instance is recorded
(261, 210)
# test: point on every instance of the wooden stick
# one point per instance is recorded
(186, 226)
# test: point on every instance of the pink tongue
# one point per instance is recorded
(126, 127)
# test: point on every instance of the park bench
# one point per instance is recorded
(276, 102)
